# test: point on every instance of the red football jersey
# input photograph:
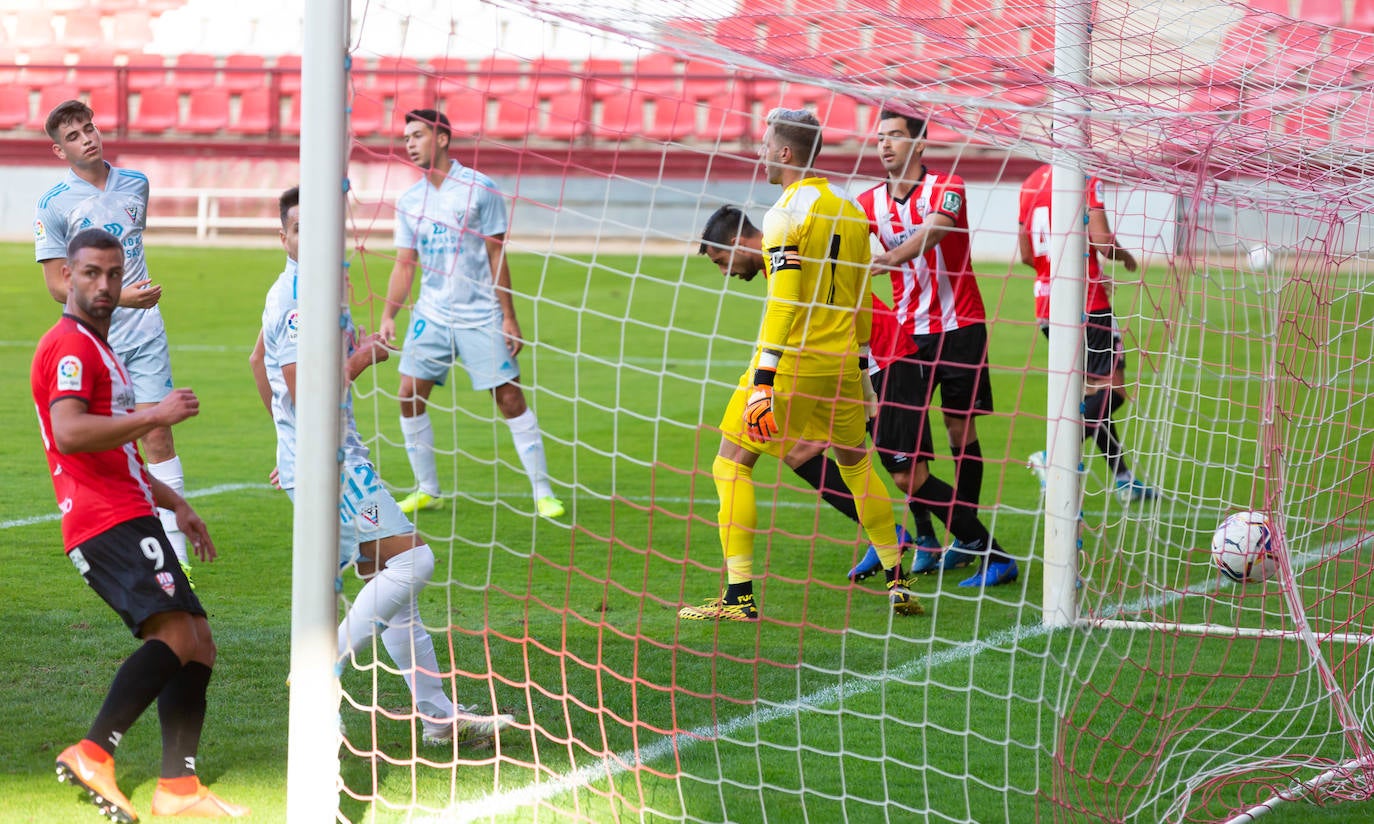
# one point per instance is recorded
(888, 342)
(1036, 195)
(95, 490)
(936, 292)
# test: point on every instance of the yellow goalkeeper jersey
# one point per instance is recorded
(816, 252)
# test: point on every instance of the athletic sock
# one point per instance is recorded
(920, 514)
(412, 649)
(962, 520)
(968, 473)
(824, 475)
(383, 596)
(529, 445)
(738, 517)
(139, 680)
(875, 512)
(419, 438)
(169, 472)
(181, 713)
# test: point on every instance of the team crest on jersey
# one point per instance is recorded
(69, 373)
(167, 582)
(293, 324)
(132, 212)
(371, 515)
(951, 202)
(40, 232)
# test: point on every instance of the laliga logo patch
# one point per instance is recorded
(40, 232)
(951, 202)
(168, 584)
(371, 515)
(293, 324)
(69, 373)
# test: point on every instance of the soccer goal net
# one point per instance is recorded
(1232, 142)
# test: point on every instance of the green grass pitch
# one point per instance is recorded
(829, 710)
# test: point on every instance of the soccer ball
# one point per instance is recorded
(1243, 547)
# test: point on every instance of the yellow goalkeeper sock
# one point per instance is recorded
(875, 510)
(738, 517)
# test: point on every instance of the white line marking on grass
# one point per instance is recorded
(622, 762)
(198, 493)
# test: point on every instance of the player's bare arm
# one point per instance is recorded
(397, 292)
(1026, 249)
(1103, 240)
(500, 275)
(370, 349)
(923, 240)
(190, 524)
(257, 361)
(75, 429)
(141, 295)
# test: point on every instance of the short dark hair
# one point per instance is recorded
(800, 130)
(914, 125)
(725, 225)
(92, 238)
(289, 199)
(433, 118)
(64, 113)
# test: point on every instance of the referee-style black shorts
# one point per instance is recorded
(958, 362)
(901, 431)
(133, 568)
(1103, 352)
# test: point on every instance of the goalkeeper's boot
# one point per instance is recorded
(186, 570)
(928, 553)
(549, 507)
(718, 609)
(958, 556)
(871, 564)
(903, 600)
(1131, 490)
(418, 500)
(198, 804)
(98, 780)
(992, 574)
(467, 727)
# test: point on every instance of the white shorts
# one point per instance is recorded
(431, 349)
(150, 369)
(367, 512)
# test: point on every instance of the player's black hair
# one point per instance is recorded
(723, 226)
(915, 125)
(288, 200)
(92, 238)
(64, 113)
(433, 118)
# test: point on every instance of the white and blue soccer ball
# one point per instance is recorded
(1243, 547)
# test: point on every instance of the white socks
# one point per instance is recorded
(384, 596)
(412, 649)
(419, 437)
(169, 472)
(529, 445)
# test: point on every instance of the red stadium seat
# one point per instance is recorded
(287, 71)
(728, 117)
(517, 117)
(672, 117)
(255, 114)
(159, 111)
(243, 72)
(367, 115)
(1023, 13)
(292, 124)
(81, 30)
(619, 116)
(656, 73)
(105, 102)
(466, 110)
(46, 67)
(34, 29)
(48, 99)
(14, 107)
(397, 77)
(192, 71)
(145, 71)
(1361, 15)
(95, 69)
(569, 117)
(207, 112)
(500, 75)
(132, 29)
(552, 77)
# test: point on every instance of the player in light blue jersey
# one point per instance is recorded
(452, 222)
(95, 194)
(373, 532)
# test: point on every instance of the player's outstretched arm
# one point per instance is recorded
(397, 292)
(370, 349)
(74, 429)
(188, 521)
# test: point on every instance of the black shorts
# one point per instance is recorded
(958, 365)
(133, 568)
(901, 431)
(1104, 352)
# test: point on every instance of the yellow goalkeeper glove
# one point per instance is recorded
(758, 414)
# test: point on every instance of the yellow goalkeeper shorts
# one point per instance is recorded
(825, 409)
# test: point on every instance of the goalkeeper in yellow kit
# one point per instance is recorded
(805, 382)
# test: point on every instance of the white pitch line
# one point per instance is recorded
(198, 493)
(612, 766)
